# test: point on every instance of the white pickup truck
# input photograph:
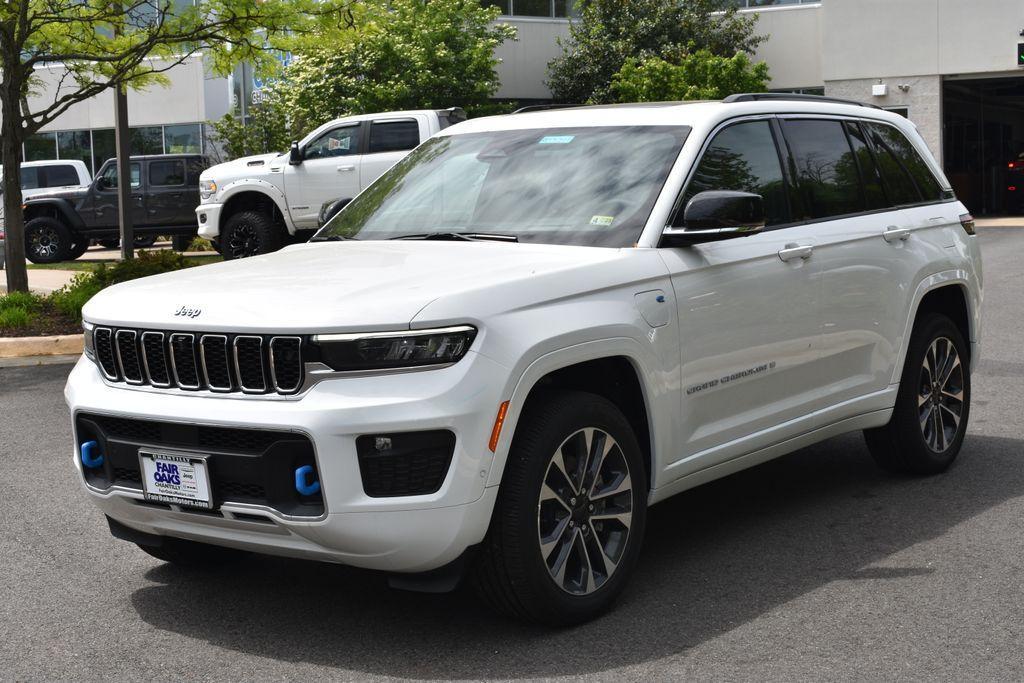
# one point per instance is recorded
(256, 205)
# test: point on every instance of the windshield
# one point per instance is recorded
(590, 186)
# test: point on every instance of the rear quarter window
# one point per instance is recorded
(895, 150)
(59, 176)
(167, 173)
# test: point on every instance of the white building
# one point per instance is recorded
(952, 66)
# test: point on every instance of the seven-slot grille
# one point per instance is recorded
(252, 364)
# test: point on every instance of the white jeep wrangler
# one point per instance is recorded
(528, 331)
(256, 205)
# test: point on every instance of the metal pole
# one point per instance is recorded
(122, 144)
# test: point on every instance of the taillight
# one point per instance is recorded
(1012, 188)
(967, 223)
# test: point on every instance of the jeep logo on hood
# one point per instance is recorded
(187, 312)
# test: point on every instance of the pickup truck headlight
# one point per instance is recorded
(207, 188)
(88, 343)
(394, 350)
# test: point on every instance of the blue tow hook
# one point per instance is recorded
(91, 457)
(305, 483)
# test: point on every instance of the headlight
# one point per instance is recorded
(207, 188)
(393, 350)
(89, 345)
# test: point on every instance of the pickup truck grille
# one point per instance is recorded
(194, 361)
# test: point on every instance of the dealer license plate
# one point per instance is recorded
(178, 479)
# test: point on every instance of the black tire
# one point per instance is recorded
(81, 246)
(143, 241)
(250, 233)
(511, 574)
(912, 443)
(181, 242)
(192, 555)
(110, 243)
(47, 240)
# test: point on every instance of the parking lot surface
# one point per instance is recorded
(815, 566)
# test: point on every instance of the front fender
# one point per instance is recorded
(62, 207)
(271, 191)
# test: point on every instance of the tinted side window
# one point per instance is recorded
(742, 157)
(394, 136)
(195, 168)
(334, 143)
(30, 178)
(167, 173)
(827, 176)
(110, 176)
(898, 145)
(898, 183)
(874, 194)
(59, 176)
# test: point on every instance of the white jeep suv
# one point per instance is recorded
(530, 330)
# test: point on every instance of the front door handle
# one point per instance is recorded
(796, 251)
(894, 234)
(346, 167)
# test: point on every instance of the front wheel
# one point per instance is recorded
(249, 233)
(47, 240)
(570, 515)
(929, 420)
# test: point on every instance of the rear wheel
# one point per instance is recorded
(143, 241)
(570, 515)
(249, 233)
(181, 242)
(929, 420)
(192, 555)
(47, 240)
(81, 246)
(110, 243)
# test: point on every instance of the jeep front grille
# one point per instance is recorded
(224, 363)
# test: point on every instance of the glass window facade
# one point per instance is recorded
(94, 147)
(768, 3)
(537, 8)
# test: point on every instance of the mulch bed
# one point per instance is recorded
(48, 321)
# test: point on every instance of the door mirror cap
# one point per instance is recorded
(330, 209)
(717, 215)
(295, 154)
(102, 183)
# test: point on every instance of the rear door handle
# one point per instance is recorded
(796, 251)
(894, 234)
(346, 167)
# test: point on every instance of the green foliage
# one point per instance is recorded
(200, 244)
(609, 32)
(19, 309)
(70, 298)
(397, 54)
(14, 318)
(697, 76)
(269, 129)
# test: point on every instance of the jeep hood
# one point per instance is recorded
(346, 286)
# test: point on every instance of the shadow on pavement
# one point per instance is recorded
(715, 558)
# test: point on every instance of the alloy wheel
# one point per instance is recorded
(45, 243)
(940, 396)
(584, 511)
(243, 241)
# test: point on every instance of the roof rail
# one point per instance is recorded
(785, 96)
(544, 107)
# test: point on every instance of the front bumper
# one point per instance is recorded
(208, 218)
(398, 534)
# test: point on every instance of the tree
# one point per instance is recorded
(697, 76)
(609, 32)
(399, 54)
(100, 45)
(268, 129)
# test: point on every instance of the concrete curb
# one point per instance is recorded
(63, 345)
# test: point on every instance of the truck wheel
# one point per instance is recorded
(143, 241)
(249, 233)
(110, 243)
(47, 240)
(929, 421)
(81, 246)
(192, 555)
(181, 242)
(570, 515)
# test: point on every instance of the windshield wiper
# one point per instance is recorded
(457, 236)
(333, 238)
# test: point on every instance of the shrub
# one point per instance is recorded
(15, 317)
(200, 244)
(20, 300)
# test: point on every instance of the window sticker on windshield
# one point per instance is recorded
(601, 220)
(556, 139)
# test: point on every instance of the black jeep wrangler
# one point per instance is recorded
(165, 192)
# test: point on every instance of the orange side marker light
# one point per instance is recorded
(499, 420)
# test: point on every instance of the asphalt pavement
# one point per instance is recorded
(816, 566)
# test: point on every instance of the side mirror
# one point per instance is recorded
(330, 209)
(102, 183)
(717, 215)
(295, 154)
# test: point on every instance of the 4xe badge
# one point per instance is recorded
(188, 312)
